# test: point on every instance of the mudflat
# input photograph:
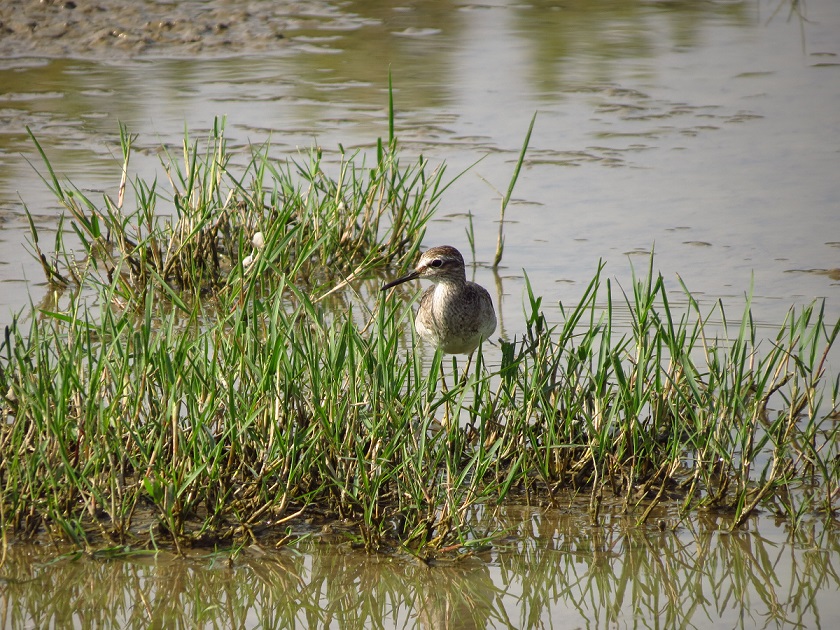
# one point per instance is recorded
(78, 28)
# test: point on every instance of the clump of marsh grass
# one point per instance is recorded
(667, 412)
(276, 414)
(217, 222)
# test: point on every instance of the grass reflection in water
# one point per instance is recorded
(557, 570)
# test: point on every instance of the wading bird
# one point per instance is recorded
(455, 315)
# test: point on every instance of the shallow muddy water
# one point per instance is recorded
(706, 131)
(553, 569)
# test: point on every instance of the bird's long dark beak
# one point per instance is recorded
(393, 283)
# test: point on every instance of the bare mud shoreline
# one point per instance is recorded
(104, 28)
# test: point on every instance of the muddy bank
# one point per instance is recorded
(104, 28)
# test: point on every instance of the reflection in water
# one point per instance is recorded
(74, 104)
(667, 94)
(709, 115)
(556, 571)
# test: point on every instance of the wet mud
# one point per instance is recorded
(111, 28)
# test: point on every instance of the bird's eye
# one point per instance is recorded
(437, 262)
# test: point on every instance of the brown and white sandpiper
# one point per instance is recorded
(455, 315)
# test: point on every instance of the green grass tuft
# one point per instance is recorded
(210, 394)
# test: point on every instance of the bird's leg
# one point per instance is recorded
(467, 369)
(470, 428)
(443, 385)
(445, 389)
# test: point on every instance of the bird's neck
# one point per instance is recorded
(446, 290)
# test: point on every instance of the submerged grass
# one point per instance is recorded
(253, 409)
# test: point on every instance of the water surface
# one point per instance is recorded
(704, 131)
(553, 569)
